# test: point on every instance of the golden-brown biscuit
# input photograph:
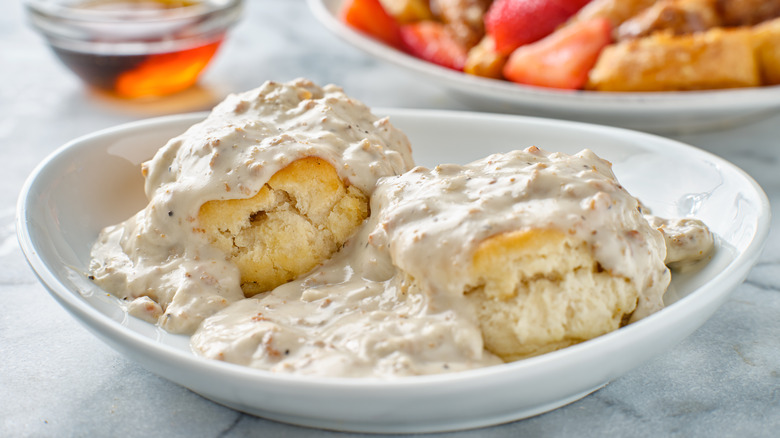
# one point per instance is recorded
(541, 250)
(714, 59)
(540, 290)
(297, 220)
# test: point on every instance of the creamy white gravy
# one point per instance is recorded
(159, 253)
(688, 240)
(391, 302)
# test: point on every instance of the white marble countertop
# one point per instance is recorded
(57, 379)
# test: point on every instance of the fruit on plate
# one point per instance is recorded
(581, 44)
(563, 59)
(431, 41)
(513, 23)
(368, 16)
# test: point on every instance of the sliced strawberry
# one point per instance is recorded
(370, 17)
(432, 42)
(513, 23)
(563, 59)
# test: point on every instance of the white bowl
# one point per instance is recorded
(662, 112)
(95, 181)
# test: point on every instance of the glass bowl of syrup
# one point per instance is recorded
(135, 48)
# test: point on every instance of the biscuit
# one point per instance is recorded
(540, 290)
(298, 219)
(539, 250)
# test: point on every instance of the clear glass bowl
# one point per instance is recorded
(135, 48)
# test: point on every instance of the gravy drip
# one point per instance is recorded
(687, 240)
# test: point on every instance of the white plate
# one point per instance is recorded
(95, 181)
(679, 112)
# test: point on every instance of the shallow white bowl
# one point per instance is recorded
(95, 181)
(661, 112)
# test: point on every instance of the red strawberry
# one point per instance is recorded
(563, 59)
(370, 17)
(513, 23)
(432, 42)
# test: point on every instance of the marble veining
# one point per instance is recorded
(57, 379)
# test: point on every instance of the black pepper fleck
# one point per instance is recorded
(170, 213)
(91, 277)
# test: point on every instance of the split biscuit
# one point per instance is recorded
(540, 290)
(301, 217)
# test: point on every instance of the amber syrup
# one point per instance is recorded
(143, 75)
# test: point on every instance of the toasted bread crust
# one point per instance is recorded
(767, 39)
(714, 59)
